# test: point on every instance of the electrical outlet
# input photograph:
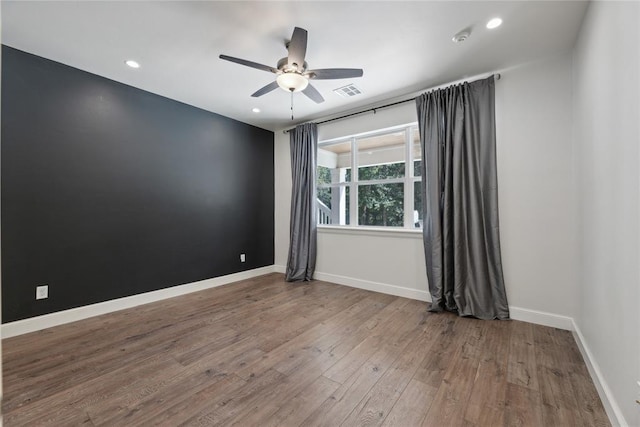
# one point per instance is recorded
(242, 258)
(42, 292)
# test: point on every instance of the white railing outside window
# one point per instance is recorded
(324, 213)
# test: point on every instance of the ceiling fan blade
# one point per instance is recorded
(313, 94)
(334, 73)
(248, 63)
(266, 89)
(297, 48)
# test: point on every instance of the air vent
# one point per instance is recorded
(348, 91)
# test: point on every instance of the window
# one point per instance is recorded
(364, 180)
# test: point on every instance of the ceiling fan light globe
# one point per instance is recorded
(292, 82)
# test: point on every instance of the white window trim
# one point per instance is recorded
(412, 233)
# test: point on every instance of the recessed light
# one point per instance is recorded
(255, 110)
(131, 63)
(494, 23)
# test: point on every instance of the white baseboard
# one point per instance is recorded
(367, 285)
(374, 286)
(541, 318)
(33, 324)
(608, 401)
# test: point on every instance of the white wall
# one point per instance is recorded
(282, 197)
(536, 187)
(607, 135)
(533, 106)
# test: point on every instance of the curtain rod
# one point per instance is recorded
(374, 109)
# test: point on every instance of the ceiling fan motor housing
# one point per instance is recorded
(283, 65)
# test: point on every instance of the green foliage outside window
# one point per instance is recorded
(381, 204)
(324, 177)
(392, 170)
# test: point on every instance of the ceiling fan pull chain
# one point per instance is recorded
(291, 104)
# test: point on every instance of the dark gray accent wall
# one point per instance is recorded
(110, 191)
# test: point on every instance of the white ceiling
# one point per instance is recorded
(403, 47)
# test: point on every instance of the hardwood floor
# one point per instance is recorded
(270, 353)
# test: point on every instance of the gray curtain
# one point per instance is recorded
(301, 262)
(460, 200)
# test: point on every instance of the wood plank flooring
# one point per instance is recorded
(263, 352)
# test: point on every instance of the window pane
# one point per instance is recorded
(337, 159)
(324, 196)
(393, 170)
(381, 156)
(333, 205)
(324, 175)
(417, 204)
(346, 204)
(417, 152)
(381, 205)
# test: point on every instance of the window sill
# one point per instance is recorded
(370, 231)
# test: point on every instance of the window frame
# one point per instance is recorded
(408, 180)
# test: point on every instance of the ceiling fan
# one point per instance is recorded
(292, 71)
